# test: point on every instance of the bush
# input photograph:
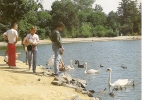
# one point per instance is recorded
(41, 32)
(110, 33)
(86, 30)
(100, 31)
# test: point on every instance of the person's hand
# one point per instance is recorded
(35, 44)
(63, 49)
(25, 49)
(15, 42)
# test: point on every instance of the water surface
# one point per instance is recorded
(111, 54)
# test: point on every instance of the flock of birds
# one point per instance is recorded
(90, 71)
(118, 84)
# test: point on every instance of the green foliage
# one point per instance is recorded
(111, 33)
(86, 30)
(129, 17)
(14, 10)
(112, 21)
(98, 8)
(41, 32)
(66, 12)
(100, 31)
(97, 18)
(80, 19)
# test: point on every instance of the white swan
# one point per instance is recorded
(119, 82)
(91, 71)
(69, 67)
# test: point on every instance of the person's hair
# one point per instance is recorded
(60, 24)
(33, 28)
(13, 24)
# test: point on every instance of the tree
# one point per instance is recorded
(14, 10)
(112, 21)
(22, 11)
(66, 12)
(84, 9)
(98, 8)
(97, 18)
(129, 16)
(83, 4)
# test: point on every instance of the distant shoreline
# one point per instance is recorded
(90, 39)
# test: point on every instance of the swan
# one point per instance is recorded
(119, 82)
(91, 71)
(69, 67)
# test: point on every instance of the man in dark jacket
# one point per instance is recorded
(57, 46)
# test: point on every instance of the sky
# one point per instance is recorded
(107, 5)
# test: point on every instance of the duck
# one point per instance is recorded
(69, 67)
(111, 93)
(91, 91)
(101, 65)
(76, 62)
(119, 82)
(124, 67)
(79, 66)
(90, 71)
(133, 84)
(102, 92)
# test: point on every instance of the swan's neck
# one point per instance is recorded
(109, 80)
(85, 68)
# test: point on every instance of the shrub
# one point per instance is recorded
(100, 31)
(110, 33)
(86, 30)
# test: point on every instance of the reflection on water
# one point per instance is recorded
(110, 54)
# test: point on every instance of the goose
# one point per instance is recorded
(91, 71)
(119, 82)
(69, 67)
(80, 66)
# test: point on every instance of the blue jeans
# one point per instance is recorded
(56, 50)
(34, 54)
(26, 57)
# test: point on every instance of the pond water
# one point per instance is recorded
(111, 54)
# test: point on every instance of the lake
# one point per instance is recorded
(111, 54)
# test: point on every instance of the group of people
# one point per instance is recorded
(30, 42)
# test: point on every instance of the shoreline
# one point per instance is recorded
(90, 39)
(20, 84)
